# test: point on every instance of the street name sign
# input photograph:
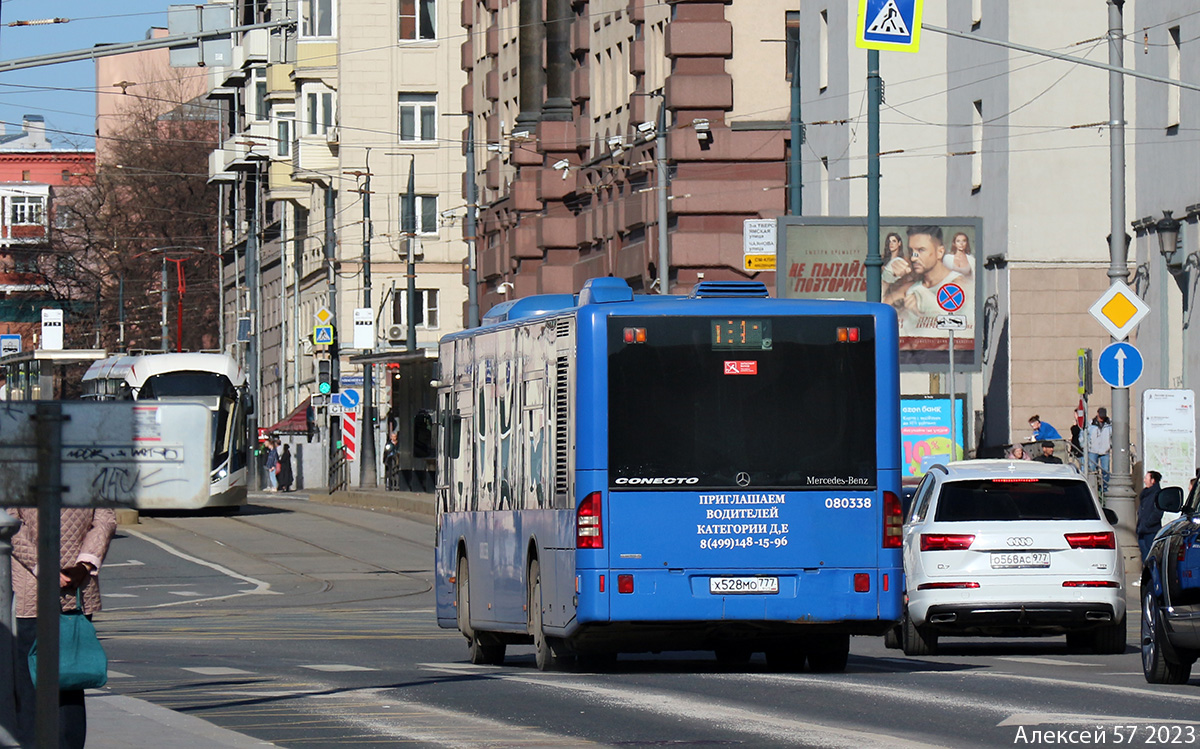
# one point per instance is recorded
(113, 453)
(1119, 310)
(759, 244)
(889, 25)
(1120, 365)
(951, 322)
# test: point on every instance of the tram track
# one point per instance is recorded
(260, 523)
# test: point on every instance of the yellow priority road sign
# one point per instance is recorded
(1119, 310)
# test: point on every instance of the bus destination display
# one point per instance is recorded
(741, 334)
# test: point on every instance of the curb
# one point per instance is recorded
(415, 504)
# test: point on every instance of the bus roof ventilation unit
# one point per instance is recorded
(743, 289)
(604, 291)
(517, 309)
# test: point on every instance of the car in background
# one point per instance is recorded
(1005, 547)
(1171, 592)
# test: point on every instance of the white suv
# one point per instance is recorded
(1003, 547)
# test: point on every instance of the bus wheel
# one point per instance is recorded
(483, 648)
(733, 655)
(543, 652)
(828, 653)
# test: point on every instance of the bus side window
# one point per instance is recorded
(455, 447)
(423, 434)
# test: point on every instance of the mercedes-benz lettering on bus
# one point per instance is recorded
(622, 474)
(216, 380)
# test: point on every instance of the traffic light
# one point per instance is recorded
(324, 376)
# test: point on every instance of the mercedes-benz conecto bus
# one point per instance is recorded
(216, 380)
(622, 473)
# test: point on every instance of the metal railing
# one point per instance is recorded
(339, 472)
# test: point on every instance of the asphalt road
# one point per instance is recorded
(308, 625)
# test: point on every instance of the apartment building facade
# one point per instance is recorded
(323, 121)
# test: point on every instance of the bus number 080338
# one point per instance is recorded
(848, 503)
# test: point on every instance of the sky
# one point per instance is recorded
(65, 93)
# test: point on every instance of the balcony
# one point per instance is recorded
(313, 160)
(217, 159)
(247, 149)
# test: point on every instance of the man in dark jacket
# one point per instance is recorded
(1048, 455)
(1149, 518)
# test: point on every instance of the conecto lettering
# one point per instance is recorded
(657, 481)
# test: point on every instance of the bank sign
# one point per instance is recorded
(925, 433)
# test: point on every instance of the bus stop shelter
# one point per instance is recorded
(44, 374)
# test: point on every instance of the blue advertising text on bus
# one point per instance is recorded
(624, 473)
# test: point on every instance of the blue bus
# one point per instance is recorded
(623, 473)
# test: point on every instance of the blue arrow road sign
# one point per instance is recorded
(1120, 365)
(893, 25)
(349, 399)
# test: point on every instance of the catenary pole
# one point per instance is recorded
(660, 166)
(1120, 487)
(874, 100)
(472, 208)
(367, 472)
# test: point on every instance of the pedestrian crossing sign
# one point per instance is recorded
(890, 25)
(323, 335)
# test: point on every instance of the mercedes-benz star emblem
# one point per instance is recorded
(743, 479)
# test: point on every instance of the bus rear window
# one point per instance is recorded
(982, 500)
(741, 403)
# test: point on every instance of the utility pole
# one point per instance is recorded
(367, 472)
(1120, 488)
(660, 159)
(874, 259)
(166, 296)
(472, 207)
(331, 282)
(409, 218)
(795, 176)
(252, 363)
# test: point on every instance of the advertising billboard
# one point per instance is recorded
(929, 269)
(925, 433)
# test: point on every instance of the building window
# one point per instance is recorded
(425, 307)
(427, 213)
(416, 19)
(1174, 70)
(25, 210)
(418, 117)
(66, 176)
(26, 175)
(823, 52)
(320, 111)
(283, 134)
(260, 94)
(977, 145)
(316, 17)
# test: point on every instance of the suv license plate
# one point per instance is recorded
(1027, 559)
(736, 585)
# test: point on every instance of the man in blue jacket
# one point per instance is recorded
(1149, 517)
(1042, 430)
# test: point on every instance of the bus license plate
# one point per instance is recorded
(736, 585)
(1021, 560)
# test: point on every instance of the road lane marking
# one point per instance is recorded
(130, 563)
(1044, 661)
(1112, 688)
(260, 587)
(120, 595)
(217, 671)
(738, 718)
(184, 593)
(337, 667)
(1070, 719)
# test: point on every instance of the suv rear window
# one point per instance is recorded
(983, 500)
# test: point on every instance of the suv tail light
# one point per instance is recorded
(893, 521)
(1091, 584)
(1106, 540)
(588, 532)
(945, 542)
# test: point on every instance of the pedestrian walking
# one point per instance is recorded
(83, 542)
(1149, 517)
(285, 469)
(272, 466)
(1099, 438)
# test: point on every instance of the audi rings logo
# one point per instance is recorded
(1023, 541)
(743, 479)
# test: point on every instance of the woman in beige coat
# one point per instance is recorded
(86, 533)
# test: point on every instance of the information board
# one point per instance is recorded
(1169, 435)
(925, 432)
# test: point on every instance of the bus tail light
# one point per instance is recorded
(1106, 540)
(862, 582)
(588, 532)
(893, 521)
(946, 541)
(624, 583)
